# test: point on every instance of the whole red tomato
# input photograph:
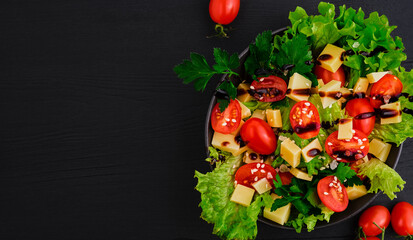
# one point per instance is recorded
(370, 238)
(259, 136)
(402, 218)
(223, 11)
(327, 76)
(376, 214)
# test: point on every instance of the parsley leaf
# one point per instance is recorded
(197, 70)
(260, 53)
(231, 90)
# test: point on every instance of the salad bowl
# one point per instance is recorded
(354, 207)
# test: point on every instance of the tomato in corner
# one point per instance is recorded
(305, 119)
(223, 11)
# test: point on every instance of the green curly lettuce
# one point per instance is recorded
(231, 220)
(382, 178)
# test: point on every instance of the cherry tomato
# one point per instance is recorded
(363, 114)
(259, 136)
(402, 218)
(305, 120)
(332, 193)
(370, 238)
(354, 165)
(229, 120)
(223, 11)
(327, 76)
(269, 89)
(253, 172)
(376, 214)
(382, 90)
(347, 150)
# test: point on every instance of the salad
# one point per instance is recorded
(307, 124)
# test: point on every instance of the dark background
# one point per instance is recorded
(98, 137)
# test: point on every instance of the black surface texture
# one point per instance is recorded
(98, 137)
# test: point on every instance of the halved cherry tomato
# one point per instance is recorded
(305, 120)
(332, 193)
(402, 218)
(229, 120)
(327, 76)
(376, 214)
(259, 136)
(354, 165)
(223, 11)
(363, 114)
(253, 172)
(387, 87)
(347, 150)
(268, 89)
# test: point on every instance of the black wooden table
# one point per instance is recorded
(100, 140)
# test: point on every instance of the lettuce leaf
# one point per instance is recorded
(309, 221)
(329, 114)
(382, 178)
(231, 220)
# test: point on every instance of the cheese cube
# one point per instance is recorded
(330, 58)
(242, 195)
(301, 174)
(329, 92)
(384, 153)
(245, 112)
(390, 113)
(375, 76)
(345, 128)
(379, 149)
(314, 90)
(345, 95)
(280, 215)
(262, 186)
(242, 92)
(361, 86)
(311, 150)
(298, 88)
(290, 152)
(227, 142)
(356, 191)
(252, 157)
(236, 132)
(274, 118)
(259, 114)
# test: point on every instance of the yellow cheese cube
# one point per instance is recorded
(259, 114)
(227, 142)
(298, 88)
(311, 150)
(242, 92)
(361, 86)
(329, 92)
(245, 112)
(356, 191)
(384, 153)
(330, 58)
(290, 152)
(252, 157)
(375, 76)
(393, 113)
(274, 118)
(345, 128)
(242, 195)
(262, 186)
(280, 215)
(301, 174)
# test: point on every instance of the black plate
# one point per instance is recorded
(354, 206)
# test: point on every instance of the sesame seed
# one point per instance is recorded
(339, 159)
(307, 103)
(325, 193)
(258, 165)
(269, 175)
(329, 144)
(322, 135)
(224, 124)
(236, 182)
(353, 131)
(252, 87)
(262, 170)
(256, 179)
(227, 119)
(322, 168)
(330, 185)
(262, 166)
(364, 139)
(362, 147)
(234, 120)
(262, 79)
(335, 178)
(254, 170)
(356, 138)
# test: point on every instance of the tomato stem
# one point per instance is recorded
(382, 229)
(221, 31)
